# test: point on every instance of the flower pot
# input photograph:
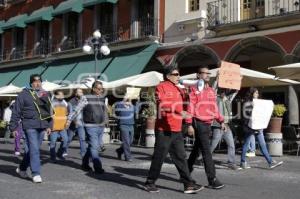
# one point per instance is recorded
(275, 125)
(150, 133)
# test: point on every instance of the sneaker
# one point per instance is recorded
(64, 154)
(128, 160)
(23, 174)
(151, 188)
(37, 179)
(215, 184)
(275, 164)
(17, 153)
(99, 171)
(250, 154)
(193, 188)
(245, 165)
(86, 168)
(234, 167)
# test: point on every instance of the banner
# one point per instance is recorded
(229, 76)
(261, 114)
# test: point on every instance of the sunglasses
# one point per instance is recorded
(207, 73)
(175, 74)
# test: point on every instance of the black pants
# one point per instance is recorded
(173, 143)
(202, 142)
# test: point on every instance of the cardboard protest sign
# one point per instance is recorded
(261, 114)
(230, 76)
(132, 93)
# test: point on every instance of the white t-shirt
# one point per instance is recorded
(7, 114)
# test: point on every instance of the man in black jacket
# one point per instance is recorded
(33, 109)
(94, 117)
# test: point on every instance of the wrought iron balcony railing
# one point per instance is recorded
(115, 33)
(222, 12)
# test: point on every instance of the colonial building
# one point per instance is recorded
(46, 37)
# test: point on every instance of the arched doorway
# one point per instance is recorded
(257, 53)
(191, 57)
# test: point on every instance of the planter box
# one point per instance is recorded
(274, 125)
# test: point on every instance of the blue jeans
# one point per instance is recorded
(261, 141)
(218, 135)
(53, 138)
(93, 135)
(81, 134)
(252, 146)
(127, 135)
(33, 141)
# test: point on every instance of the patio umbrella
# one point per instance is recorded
(148, 79)
(10, 89)
(291, 71)
(49, 86)
(252, 78)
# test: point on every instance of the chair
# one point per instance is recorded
(291, 137)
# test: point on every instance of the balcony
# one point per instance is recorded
(115, 35)
(225, 13)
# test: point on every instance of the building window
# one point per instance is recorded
(146, 18)
(71, 32)
(18, 43)
(105, 16)
(42, 38)
(194, 5)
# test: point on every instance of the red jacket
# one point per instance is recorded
(203, 106)
(170, 100)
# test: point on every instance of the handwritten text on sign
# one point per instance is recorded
(230, 76)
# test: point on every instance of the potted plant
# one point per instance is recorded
(276, 119)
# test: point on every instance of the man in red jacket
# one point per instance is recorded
(169, 138)
(204, 110)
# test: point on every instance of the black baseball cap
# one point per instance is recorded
(35, 77)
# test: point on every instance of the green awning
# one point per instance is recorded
(59, 70)
(1, 24)
(7, 77)
(68, 6)
(23, 78)
(87, 3)
(15, 22)
(129, 64)
(86, 68)
(40, 14)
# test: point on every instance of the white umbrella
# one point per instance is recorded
(291, 71)
(10, 89)
(147, 79)
(49, 86)
(74, 86)
(252, 78)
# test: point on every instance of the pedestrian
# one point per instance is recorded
(6, 118)
(168, 135)
(247, 114)
(125, 114)
(95, 117)
(204, 110)
(60, 107)
(224, 102)
(33, 108)
(77, 125)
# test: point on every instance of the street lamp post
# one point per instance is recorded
(96, 44)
